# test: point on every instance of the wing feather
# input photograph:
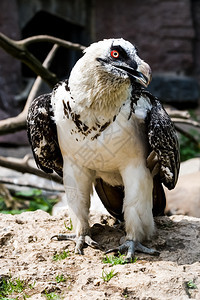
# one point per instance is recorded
(42, 134)
(164, 142)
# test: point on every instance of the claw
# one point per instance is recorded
(132, 246)
(79, 241)
(63, 237)
(90, 242)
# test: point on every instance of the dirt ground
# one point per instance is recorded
(27, 253)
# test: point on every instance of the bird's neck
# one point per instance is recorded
(98, 95)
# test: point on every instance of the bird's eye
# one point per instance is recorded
(114, 53)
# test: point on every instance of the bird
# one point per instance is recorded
(102, 127)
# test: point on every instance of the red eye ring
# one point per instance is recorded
(114, 53)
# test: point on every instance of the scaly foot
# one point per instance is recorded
(130, 247)
(79, 241)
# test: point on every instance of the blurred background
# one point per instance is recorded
(166, 33)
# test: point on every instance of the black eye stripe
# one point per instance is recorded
(122, 52)
(123, 56)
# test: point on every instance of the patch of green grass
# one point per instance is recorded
(31, 286)
(8, 298)
(70, 227)
(189, 149)
(10, 286)
(191, 285)
(60, 278)
(52, 296)
(106, 276)
(28, 200)
(117, 260)
(61, 255)
(26, 297)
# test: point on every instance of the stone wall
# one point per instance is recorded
(10, 82)
(162, 30)
(166, 32)
(196, 22)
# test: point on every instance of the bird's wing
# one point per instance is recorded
(163, 143)
(42, 134)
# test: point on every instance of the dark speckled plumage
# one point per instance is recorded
(41, 127)
(163, 140)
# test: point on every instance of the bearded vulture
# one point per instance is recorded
(101, 127)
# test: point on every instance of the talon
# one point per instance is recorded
(143, 249)
(79, 241)
(115, 250)
(54, 236)
(132, 246)
(64, 237)
(90, 242)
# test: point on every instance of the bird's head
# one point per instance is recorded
(120, 59)
(104, 76)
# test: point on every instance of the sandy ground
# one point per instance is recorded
(27, 253)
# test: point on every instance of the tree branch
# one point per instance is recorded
(24, 184)
(174, 113)
(185, 121)
(18, 123)
(22, 165)
(188, 135)
(51, 39)
(20, 52)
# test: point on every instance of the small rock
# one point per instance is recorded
(39, 257)
(97, 282)
(32, 239)
(4, 239)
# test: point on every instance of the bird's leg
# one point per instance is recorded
(137, 209)
(78, 184)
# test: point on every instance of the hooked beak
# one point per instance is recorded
(141, 75)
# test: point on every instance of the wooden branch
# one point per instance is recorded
(40, 187)
(18, 123)
(50, 39)
(22, 165)
(188, 135)
(38, 81)
(174, 113)
(188, 122)
(20, 52)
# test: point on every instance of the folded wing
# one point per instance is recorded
(163, 143)
(42, 135)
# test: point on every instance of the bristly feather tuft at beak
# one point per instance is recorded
(141, 75)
